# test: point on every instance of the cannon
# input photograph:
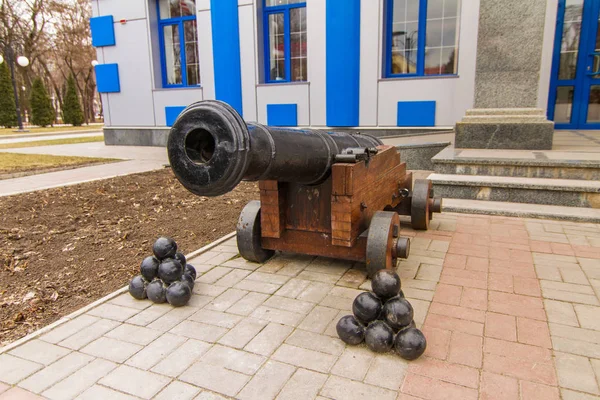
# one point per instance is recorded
(330, 194)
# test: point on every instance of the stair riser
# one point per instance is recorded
(518, 171)
(519, 195)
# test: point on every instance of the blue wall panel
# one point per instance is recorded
(343, 62)
(282, 114)
(107, 78)
(103, 31)
(171, 114)
(416, 113)
(226, 52)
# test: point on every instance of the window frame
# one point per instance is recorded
(287, 41)
(421, 42)
(179, 21)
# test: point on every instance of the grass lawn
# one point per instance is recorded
(11, 131)
(37, 143)
(11, 163)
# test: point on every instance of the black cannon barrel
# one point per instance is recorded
(211, 149)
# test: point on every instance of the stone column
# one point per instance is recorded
(509, 56)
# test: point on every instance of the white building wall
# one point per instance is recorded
(142, 100)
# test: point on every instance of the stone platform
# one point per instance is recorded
(509, 307)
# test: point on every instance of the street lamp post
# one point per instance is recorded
(23, 62)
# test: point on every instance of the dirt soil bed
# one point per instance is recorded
(61, 249)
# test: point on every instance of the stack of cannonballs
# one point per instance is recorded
(165, 277)
(383, 319)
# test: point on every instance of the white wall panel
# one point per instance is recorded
(173, 98)
(370, 42)
(295, 93)
(315, 25)
(120, 9)
(547, 53)
(205, 52)
(133, 106)
(453, 95)
(248, 60)
(95, 10)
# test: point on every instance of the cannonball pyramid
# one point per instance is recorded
(164, 277)
(383, 319)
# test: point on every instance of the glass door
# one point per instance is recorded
(574, 101)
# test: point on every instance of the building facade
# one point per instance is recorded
(377, 65)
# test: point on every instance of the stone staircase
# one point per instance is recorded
(539, 184)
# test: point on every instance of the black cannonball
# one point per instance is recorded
(401, 294)
(385, 284)
(379, 337)
(410, 343)
(411, 325)
(164, 247)
(157, 291)
(398, 313)
(187, 279)
(137, 287)
(149, 268)
(190, 270)
(366, 307)
(350, 330)
(178, 294)
(170, 270)
(179, 256)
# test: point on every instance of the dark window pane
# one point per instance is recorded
(564, 104)
(434, 32)
(435, 9)
(441, 49)
(191, 52)
(176, 8)
(277, 54)
(271, 3)
(405, 33)
(569, 48)
(451, 8)
(594, 105)
(172, 54)
(298, 43)
(433, 61)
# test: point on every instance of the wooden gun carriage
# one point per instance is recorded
(328, 194)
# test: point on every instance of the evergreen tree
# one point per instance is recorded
(41, 106)
(72, 113)
(8, 108)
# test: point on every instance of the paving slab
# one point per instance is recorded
(509, 307)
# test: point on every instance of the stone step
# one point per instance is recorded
(558, 192)
(521, 210)
(518, 163)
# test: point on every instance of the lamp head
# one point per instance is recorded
(23, 61)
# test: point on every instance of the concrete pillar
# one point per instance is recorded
(509, 57)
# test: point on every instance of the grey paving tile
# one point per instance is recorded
(80, 381)
(150, 355)
(178, 391)
(68, 328)
(135, 382)
(287, 304)
(235, 360)
(199, 331)
(232, 277)
(113, 311)
(353, 363)
(279, 316)
(318, 319)
(172, 318)
(315, 292)
(242, 333)
(304, 358)
(317, 342)
(342, 388)
(268, 278)
(293, 288)
(226, 300)
(40, 352)
(216, 318)
(111, 349)
(214, 275)
(387, 371)
(179, 360)
(98, 392)
(53, 373)
(126, 300)
(14, 369)
(133, 334)
(248, 303)
(304, 384)
(257, 286)
(149, 315)
(269, 339)
(214, 378)
(89, 334)
(267, 382)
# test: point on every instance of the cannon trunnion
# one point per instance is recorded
(321, 193)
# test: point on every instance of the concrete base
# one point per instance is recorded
(136, 136)
(418, 156)
(516, 129)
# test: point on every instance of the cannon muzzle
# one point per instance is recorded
(211, 149)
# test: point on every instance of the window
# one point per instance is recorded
(178, 42)
(285, 40)
(421, 37)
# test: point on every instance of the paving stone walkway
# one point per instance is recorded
(510, 308)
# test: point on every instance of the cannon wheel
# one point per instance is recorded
(420, 213)
(384, 228)
(249, 234)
